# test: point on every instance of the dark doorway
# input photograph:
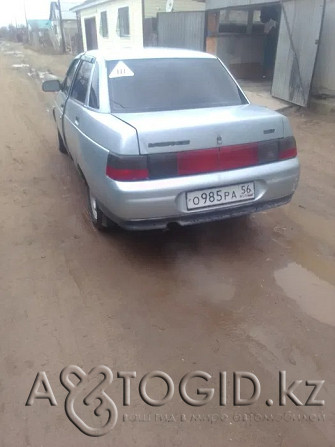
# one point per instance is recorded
(270, 17)
(91, 34)
(245, 39)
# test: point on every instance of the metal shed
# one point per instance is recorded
(299, 30)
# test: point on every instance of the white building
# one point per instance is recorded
(110, 24)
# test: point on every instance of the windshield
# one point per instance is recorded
(142, 85)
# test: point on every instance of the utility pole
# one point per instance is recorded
(27, 35)
(61, 27)
(25, 13)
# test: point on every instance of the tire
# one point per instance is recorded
(98, 218)
(61, 145)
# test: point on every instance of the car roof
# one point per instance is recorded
(147, 53)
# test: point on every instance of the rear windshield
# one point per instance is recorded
(170, 84)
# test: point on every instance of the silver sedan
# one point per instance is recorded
(166, 136)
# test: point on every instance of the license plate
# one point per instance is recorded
(206, 198)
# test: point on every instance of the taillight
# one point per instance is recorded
(238, 156)
(287, 148)
(127, 168)
(174, 164)
(196, 162)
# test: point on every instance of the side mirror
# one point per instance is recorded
(52, 85)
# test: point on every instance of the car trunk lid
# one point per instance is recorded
(187, 130)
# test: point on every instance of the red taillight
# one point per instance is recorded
(218, 159)
(127, 174)
(173, 164)
(127, 168)
(195, 162)
(240, 156)
(287, 148)
(288, 153)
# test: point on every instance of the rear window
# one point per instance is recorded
(170, 84)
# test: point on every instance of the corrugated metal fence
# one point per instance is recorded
(181, 30)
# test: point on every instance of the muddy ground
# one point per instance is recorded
(252, 294)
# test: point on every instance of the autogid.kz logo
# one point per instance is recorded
(106, 404)
(88, 392)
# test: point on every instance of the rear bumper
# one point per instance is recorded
(156, 203)
(198, 218)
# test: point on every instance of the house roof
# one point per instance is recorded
(87, 4)
(214, 4)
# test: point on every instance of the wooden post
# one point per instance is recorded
(250, 21)
(213, 18)
(61, 27)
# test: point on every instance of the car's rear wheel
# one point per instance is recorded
(61, 145)
(98, 218)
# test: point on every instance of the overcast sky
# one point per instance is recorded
(12, 11)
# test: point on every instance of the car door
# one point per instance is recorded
(63, 94)
(75, 106)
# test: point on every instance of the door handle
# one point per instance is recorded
(62, 106)
(76, 121)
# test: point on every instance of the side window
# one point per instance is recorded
(69, 76)
(80, 86)
(94, 92)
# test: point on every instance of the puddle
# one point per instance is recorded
(315, 296)
(41, 75)
(45, 75)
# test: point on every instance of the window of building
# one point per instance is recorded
(245, 21)
(103, 24)
(233, 21)
(80, 86)
(122, 27)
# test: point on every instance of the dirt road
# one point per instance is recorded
(253, 294)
